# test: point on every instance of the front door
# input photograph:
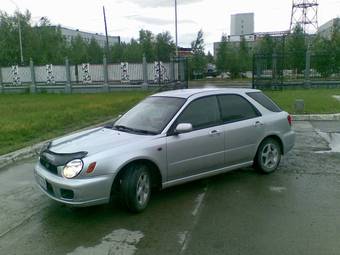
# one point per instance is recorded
(201, 149)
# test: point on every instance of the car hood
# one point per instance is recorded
(94, 141)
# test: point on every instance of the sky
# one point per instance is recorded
(126, 17)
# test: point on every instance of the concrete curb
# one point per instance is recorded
(34, 150)
(316, 117)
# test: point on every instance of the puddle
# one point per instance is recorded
(337, 97)
(182, 236)
(119, 242)
(333, 140)
(199, 201)
(277, 189)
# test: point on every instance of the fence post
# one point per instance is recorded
(106, 75)
(307, 69)
(145, 73)
(274, 70)
(68, 86)
(1, 84)
(33, 88)
(253, 74)
(172, 69)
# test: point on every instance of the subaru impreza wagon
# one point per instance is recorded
(168, 139)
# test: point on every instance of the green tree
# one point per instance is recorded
(165, 47)
(335, 41)
(198, 61)
(47, 44)
(117, 52)
(147, 43)
(323, 61)
(95, 52)
(296, 49)
(222, 55)
(233, 62)
(210, 58)
(9, 37)
(78, 51)
(244, 57)
(133, 52)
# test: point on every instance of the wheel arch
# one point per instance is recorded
(155, 173)
(276, 138)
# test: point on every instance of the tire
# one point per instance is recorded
(268, 156)
(135, 189)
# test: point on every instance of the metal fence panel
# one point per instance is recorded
(97, 73)
(136, 72)
(114, 72)
(24, 73)
(59, 73)
(300, 69)
(6, 75)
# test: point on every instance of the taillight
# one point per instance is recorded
(290, 120)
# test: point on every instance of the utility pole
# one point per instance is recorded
(19, 28)
(107, 37)
(176, 31)
(20, 41)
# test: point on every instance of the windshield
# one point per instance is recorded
(150, 116)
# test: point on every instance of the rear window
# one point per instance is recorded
(265, 101)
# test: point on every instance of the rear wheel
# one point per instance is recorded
(136, 188)
(268, 156)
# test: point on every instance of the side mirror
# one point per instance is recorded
(183, 128)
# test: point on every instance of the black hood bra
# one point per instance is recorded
(61, 159)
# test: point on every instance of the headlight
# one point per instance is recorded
(73, 168)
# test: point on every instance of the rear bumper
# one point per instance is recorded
(75, 192)
(288, 141)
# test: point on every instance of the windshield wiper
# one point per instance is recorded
(123, 128)
(146, 132)
(128, 129)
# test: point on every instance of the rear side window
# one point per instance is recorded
(236, 108)
(265, 101)
(201, 113)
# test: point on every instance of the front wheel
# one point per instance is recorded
(268, 156)
(136, 188)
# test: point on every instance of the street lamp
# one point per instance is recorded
(176, 35)
(19, 27)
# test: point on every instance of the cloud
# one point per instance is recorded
(158, 21)
(160, 3)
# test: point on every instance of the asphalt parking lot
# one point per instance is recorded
(293, 211)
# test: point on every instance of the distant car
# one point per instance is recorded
(167, 139)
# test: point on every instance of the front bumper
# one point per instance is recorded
(76, 192)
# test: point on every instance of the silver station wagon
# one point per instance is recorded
(167, 139)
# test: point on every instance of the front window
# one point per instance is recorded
(201, 113)
(150, 116)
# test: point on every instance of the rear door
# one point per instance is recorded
(201, 149)
(243, 128)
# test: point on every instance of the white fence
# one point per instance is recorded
(85, 74)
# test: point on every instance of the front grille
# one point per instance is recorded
(48, 165)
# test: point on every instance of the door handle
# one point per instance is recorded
(215, 132)
(258, 124)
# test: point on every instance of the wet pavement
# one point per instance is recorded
(293, 211)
